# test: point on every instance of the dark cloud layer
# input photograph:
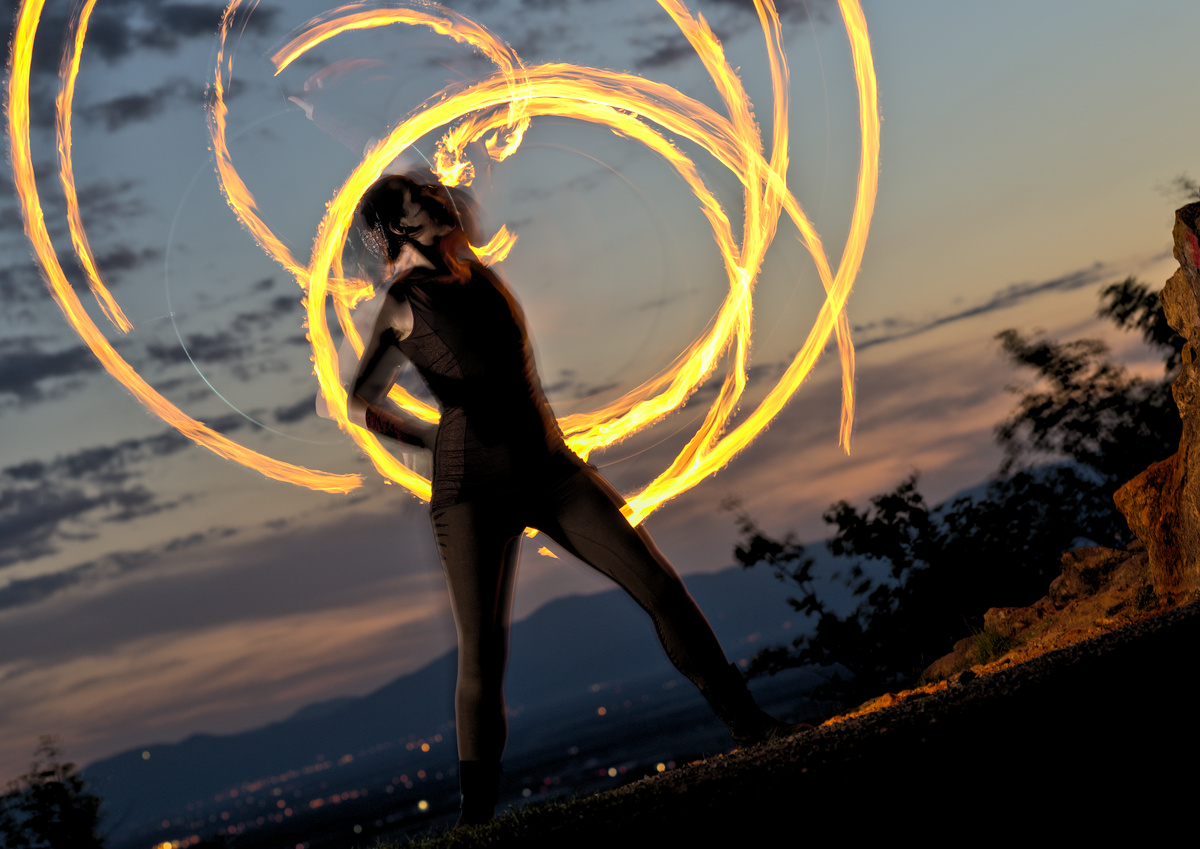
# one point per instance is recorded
(663, 50)
(122, 258)
(727, 18)
(22, 283)
(104, 206)
(26, 371)
(43, 503)
(26, 591)
(568, 385)
(103, 199)
(896, 328)
(119, 28)
(202, 348)
(116, 112)
(798, 10)
(280, 307)
(893, 329)
(299, 411)
(253, 343)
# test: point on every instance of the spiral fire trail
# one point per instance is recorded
(497, 110)
(35, 228)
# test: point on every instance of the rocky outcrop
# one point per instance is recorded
(1102, 589)
(1162, 504)
(1099, 590)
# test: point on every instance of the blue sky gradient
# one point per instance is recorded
(149, 590)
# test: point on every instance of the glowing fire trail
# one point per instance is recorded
(498, 110)
(68, 71)
(608, 98)
(68, 301)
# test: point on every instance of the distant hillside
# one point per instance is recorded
(1094, 740)
(568, 657)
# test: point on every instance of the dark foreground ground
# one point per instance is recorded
(1095, 739)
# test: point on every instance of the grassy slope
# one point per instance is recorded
(1083, 738)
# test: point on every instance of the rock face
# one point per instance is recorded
(1102, 589)
(1099, 590)
(1162, 504)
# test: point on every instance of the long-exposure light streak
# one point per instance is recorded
(497, 110)
(35, 228)
(68, 72)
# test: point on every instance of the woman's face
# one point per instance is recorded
(416, 225)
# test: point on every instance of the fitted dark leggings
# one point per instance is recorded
(479, 542)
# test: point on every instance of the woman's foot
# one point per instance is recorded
(479, 784)
(747, 722)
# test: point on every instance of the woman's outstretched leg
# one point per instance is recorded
(585, 519)
(583, 516)
(479, 554)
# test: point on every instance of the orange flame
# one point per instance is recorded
(68, 71)
(626, 104)
(498, 109)
(60, 288)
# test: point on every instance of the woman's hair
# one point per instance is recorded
(383, 203)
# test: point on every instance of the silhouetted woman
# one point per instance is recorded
(500, 465)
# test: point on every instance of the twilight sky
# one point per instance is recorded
(149, 590)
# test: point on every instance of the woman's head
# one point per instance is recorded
(399, 210)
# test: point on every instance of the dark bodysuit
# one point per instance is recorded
(501, 465)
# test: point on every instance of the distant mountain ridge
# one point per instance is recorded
(569, 651)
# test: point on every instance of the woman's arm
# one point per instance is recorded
(367, 402)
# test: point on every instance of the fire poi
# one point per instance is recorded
(497, 110)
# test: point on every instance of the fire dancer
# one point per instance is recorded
(500, 464)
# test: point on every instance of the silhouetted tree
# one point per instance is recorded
(49, 807)
(1087, 427)
(1090, 410)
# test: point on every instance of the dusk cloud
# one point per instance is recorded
(664, 50)
(299, 411)
(208, 348)
(895, 328)
(116, 112)
(21, 282)
(33, 519)
(25, 371)
(118, 28)
(728, 19)
(43, 503)
(255, 342)
(25, 591)
(103, 199)
(800, 10)
(568, 385)
(104, 205)
(279, 307)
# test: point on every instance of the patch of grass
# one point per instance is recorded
(990, 645)
(499, 832)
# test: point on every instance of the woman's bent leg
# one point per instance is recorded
(584, 517)
(479, 550)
